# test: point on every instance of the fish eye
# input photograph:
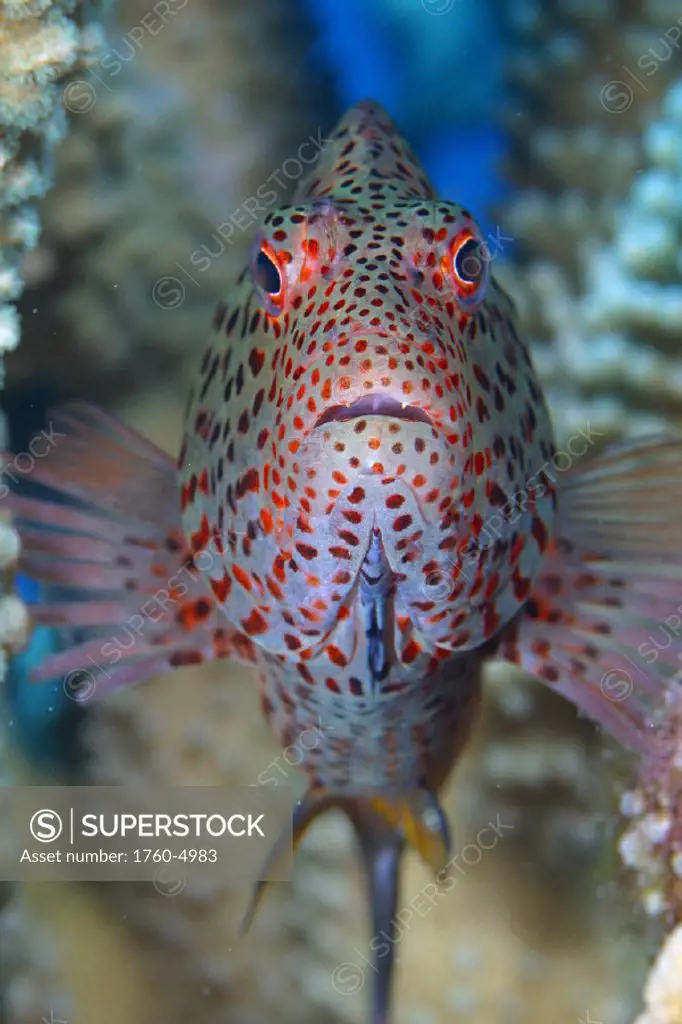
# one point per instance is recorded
(470, 269)
(267, 275)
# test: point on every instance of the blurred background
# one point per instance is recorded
(133, 132)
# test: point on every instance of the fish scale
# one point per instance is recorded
(416, 725)
(367, 506)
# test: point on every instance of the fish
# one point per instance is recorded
(369, 505)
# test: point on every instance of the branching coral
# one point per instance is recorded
(652, 845)
(190, 127)
(621, 334)
(40, 42)
(663, 992)
(596, 124)
(600, 246)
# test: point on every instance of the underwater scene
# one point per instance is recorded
(341, 511)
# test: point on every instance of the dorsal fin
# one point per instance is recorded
(366, 151)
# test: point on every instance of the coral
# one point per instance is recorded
(596, 223)
(40, 43)
(188, 129)
(596, 220)
(663, 991)
(652, 844)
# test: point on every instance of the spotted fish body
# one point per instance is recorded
(367, 423)
(366, 507)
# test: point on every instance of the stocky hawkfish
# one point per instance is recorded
(367, 505)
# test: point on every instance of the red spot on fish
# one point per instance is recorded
(539, 533)
(255, 624)
(242, 577)
(266, 520)
(200, 539)
(248, 482)
(336, 656)
(306, 551)
(222, 588)
(521, 585)
(184, 658)
(256, 360)
(491, 620)
(410, 652)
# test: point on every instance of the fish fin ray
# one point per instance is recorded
(602, 592)
(367, 137)
(116, 566)
(314, 803)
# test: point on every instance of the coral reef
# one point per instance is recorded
(182, 125)
(598, 240)
(597, 159)
(186, 131)
(663, 993)
(652, 845)
(41, 42)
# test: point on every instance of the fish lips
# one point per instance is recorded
(373, 405)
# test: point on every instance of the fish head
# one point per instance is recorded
(369, 389)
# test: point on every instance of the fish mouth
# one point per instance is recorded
(373, 405)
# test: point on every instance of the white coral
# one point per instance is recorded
(40, 43)
(619, 337)
(663, 993)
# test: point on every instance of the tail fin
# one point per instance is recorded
(383, 826)
(611, 583)
(116, 566)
